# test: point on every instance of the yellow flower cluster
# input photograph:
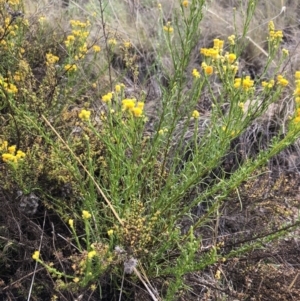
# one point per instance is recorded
(218, 44)
(96, 48)
(162, 131)
(231, 39)
(185, 3)
(119, 87)
(127, 44)
(231, 57)
(70, 40)
(42, 19)
(133, 106)
(8, 87)
(76, 43)
(297, 98)
(195, 114)
(276, 35)
(269, 84)
(86, 214)
(10, 154)
(51, 59)
(107, 97)
(297, 90)
(208, 70)
(112, 42)
(282, 81)
(246, 83)
(215, 51)
(285, 52)
(70, 67)
(92, 254)
(36, 255)
(273, 34)
(215, 60)
(84, 115)
(110, 232)
(18, 76)
(168, 28)
(196, 73)
(210, 52)
(79, 24)
(14, 2)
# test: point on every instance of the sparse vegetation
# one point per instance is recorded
(149, 151)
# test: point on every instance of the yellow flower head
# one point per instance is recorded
(282, 81)
(231, 58)
(110, 232)
(70, 38)
(269, 84)
(42, 19)
(96, 48)
(20, 154)
(92, 254)
(296, 120)
(218, 44)
(137, 112)
(10, 88)
(214, 53)
(241, 105)
(276, 35)
(297, 75)
(128, 103)
(168, 28)
(196, 73)
(246, 83)
(218, 275)
(271, 26)
(51, 59)
(204, 51)
(86, 214)
(208, 70)
(84, 115)
(70, 67)
(297, 92)
(12, 149)
(195, 114)
(140, 105)
(112, 42)
(231, 39)
(127, 45)
(285, 52)
(71, 223)
(6, 157)
(3, 145)
(107, 97)
(36, 255)
(185, 3)
(17, 76)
